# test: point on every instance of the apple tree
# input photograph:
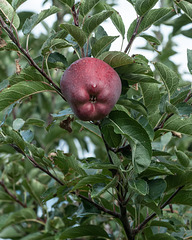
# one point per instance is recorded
(125, 176)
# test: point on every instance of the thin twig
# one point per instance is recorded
(142, 225)
(139, 20)
(12, 195)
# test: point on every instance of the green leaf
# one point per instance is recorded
(35, 19)
(143, 6)
(162, 236)
(156, 188)
(111, 184)
(152, 40)
(112, 139)
(69, 3)
(16, 217)
(186, 7)
(150, 18)
(17, 3)
(18, 123)
(189, 57)
(77, 33)
(138, 78)
(133, 104)
(169, 77)
(101, 44)
(86, 6)
(139, 185)
(35, 122)
(93, 22)
(164, 224)
(20, 91)
(184, 197)
(8, 14)
(27, 74)
(151, 97)
(116, 59)
(178, 124)
(92, 179)
(116, 20)
(53, 45)
(81, 231)
(136, 135)
(183, 158)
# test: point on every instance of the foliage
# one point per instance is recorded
(137, 182)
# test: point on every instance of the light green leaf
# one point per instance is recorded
(151, 97)
(7, 13)
(17, 3)
(89, 126)
(92, 179)
(183, 158)
(186, 7)
(162, 236)
(20, 91)
(69, 3)
(143, 6)
(101, 44)
(35, 19)
(93, 22)
(116, 20)
(189, 57)
(150, 18)
(115, 58)
(35, 122)
(18, 123)
(76, 32)
(136, 135)
(86, 6)
(81, 231)
(139, 185)
(169, 78)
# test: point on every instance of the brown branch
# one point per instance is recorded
(139, 20)
(27, 55)
(142, 225)
(14, 197)
(112, 213)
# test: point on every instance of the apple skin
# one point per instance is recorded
(91, 87)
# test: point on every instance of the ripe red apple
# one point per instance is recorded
(91, 87)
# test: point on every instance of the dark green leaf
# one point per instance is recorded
(156, 188)
(162, 236)
(152, 40)
(69, 3)
(169, 77)
(81, 231)
(117, 20)
(136, 135)
(77, 33)
(143, 6)
(99, 46)
(86, 6)
(20, 91)
(151, 96)
(115, 58)
(138, 78)
(35, 19)
(93, 22)
(17, 3)
(189, 57)
(140, 186)
(183, 158)
(7, 13)
(150, 18)
(186, 7)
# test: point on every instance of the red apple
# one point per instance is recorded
(91, 87)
